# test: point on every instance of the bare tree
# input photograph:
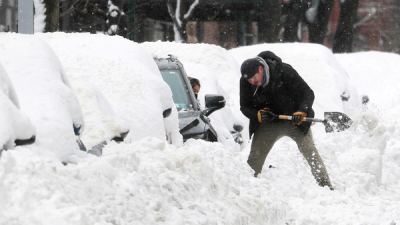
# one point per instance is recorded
(116, 18)
(52, 15)
(82, 15)
(381, 19)
(180, 20)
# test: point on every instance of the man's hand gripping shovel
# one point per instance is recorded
(333, 121)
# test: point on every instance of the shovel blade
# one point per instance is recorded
(336, 122)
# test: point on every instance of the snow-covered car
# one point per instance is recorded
(101, 123)
(16, 128)
(193, 122)
(142, 98)
(215, 68)
(44, 93)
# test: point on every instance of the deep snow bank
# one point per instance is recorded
(145, 182)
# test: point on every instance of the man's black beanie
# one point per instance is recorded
(249, 68)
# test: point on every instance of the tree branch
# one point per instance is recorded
(191, 9)
(172, 14)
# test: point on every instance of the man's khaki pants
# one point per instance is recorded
(265, 138)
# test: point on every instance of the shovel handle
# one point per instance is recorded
(305, 119)
(333, 121)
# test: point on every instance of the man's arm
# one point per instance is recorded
(246, 101)
(298, 87)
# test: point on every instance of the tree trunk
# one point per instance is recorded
(52, 15)
(180, 18)
(269, 21)
(396, 17)
(183, 31)
(65, 17)
(317, 29)
(176, 19)
(344, 35)
(183, 20)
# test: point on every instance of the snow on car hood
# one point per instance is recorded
(141, 96)
(43, 90)
(14, 123)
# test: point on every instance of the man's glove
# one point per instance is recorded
(265, 115)
(297, 117)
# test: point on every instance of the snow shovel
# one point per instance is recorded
(333, 121)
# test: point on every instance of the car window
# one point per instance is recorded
(175, 82)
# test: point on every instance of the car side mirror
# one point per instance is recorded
(213, 103)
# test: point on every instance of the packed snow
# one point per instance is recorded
(128, 78)
(43, 91)
(14, 124)
(147, 180)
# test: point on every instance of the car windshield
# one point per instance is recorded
(175, 82)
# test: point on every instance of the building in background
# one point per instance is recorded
(377, 26)
(227, 23)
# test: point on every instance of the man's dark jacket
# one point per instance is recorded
(285, 94)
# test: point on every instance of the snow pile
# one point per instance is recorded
(100, 118)
(14, 124)
(148, 181)
(126, 75)
(218, 73)
(43, 91)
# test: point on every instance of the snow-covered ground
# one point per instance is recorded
(145, 180)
